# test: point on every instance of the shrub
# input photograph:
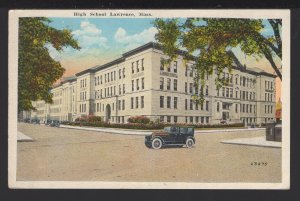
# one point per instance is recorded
(139, 119)
(92, 118)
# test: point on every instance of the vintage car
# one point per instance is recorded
(171, 136)
(55, 123)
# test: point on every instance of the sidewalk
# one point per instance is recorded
(23, 138)
(146, 132)
(254, 141)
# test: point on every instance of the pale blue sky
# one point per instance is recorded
(105, 39)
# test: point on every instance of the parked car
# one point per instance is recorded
(27, 120)
(48, 122)
(35, 121)
(171, 136)
(55, 123)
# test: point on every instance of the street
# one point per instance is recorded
(60, 154)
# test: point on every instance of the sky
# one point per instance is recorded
(105, 39)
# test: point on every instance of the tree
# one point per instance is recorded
(209, 43)
(38, 71)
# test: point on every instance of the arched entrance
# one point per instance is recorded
(107, 113)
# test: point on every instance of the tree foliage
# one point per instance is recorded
(37, 70)
(210, 41)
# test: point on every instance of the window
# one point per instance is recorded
(114, 75)
(168, 101)
(197, 119)
(143, 83)
(114, 90)
(162, 83)
(132, 85)
(123, 88)
(207, 105)
(120, 74)
(137, 67)
(218, 107)
(223, 91)
(236, 108)
(123, 104)
(175, 119)
(265, 109)
(175, 84)
(250, 109)
(247, 106)
(137, 85)
(185, 87)
(206, 90)
(175, 66)
(161, 119)
(131, 102)
(185, 104)
(191, 88)
(136, 102)
(107, 77)
(231, 93)
(227, 92)
(161, 101)
(119, 105)
(175, 102)
(236, 94)
(123, 72)
(168, 119)
(191, 72)
(142, 101)
(169, 68)
(142, 61)
(186, 69)
(197, 106)
(191, 119)
(161, 66)
(132, 67)
(191, 104)
(168, 84)
(207, 120)
(101, 79)
(120, 89)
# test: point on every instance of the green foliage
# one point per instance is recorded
(37, 70)
(139, 119)
(150, 126)
(210, 41)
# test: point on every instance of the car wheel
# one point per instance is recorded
(156, 143)
(189, 143)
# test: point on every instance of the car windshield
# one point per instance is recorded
(167, 129)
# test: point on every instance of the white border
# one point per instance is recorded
(12, 107)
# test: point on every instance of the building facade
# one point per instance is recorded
(137, 84)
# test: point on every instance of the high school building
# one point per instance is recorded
(137, 84)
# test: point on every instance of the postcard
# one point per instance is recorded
(149, 99)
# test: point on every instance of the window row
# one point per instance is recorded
(269, 97)
(197, 119)
(109, 91)
(162, 102)
(135, 102)
(172, 65)
(247, 82)
(192, 104)
(82, 95)
(195, 89)
(168, 80)
(268, 85)
(268, 109)
(246, 95)
(248, 108)
(137, 66)
(136, 83)
(226, 92)
(82, 108)
(83, 83)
